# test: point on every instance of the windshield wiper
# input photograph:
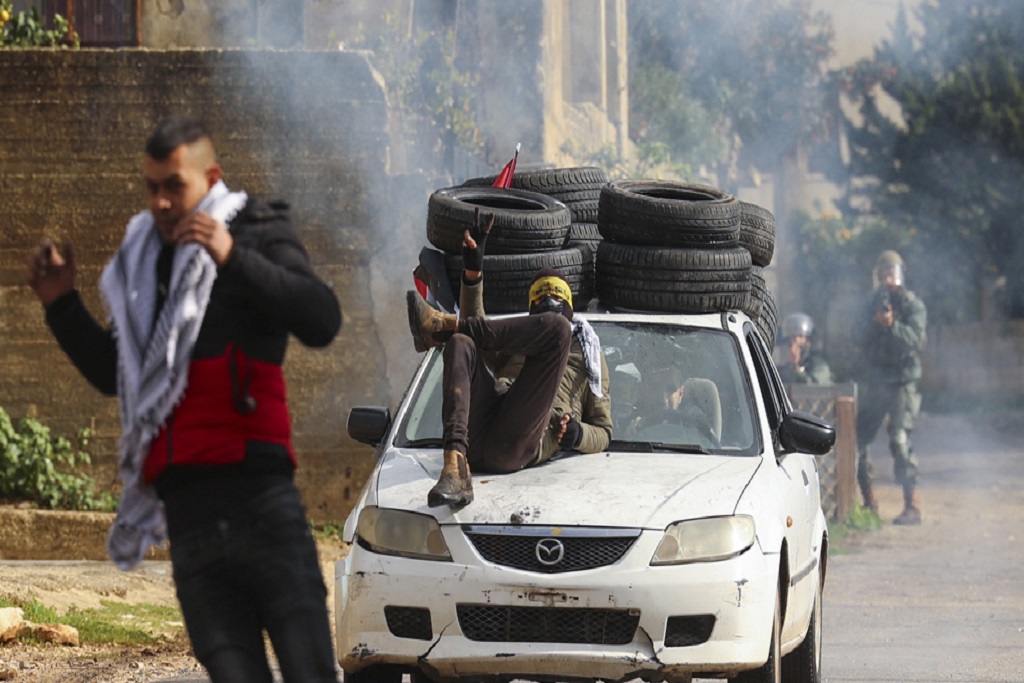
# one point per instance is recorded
(431, 442)
(653, 446)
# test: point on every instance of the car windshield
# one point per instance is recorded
(673, 388)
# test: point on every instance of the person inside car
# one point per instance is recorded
(665, 412)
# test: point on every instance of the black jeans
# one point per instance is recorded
(498, 430)
(256, 570)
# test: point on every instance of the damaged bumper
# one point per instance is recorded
(613, 623)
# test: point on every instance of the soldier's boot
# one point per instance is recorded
(454, 487)
(870, 502)
(429, 326)
(911, 512)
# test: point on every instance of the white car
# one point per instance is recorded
(686, 550)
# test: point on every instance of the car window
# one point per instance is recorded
(649, 363)
(775, 400)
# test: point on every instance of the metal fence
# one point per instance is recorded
(837, 470)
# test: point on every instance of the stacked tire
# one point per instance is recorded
(678, 247)
(530, 232)
(579, 189)
(757, 235)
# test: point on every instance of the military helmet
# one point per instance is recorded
(888, 261)
(797, 324)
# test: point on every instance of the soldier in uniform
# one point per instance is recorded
(890, 334)
(797, 359)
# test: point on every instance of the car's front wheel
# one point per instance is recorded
(803, 665)
(770, 672)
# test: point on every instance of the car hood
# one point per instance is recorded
(648, 490)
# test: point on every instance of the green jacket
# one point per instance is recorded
(813, 369)
(892, 355)
(574, 395)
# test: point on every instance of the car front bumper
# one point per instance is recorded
(739, 593)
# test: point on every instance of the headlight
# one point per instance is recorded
(705, 540)
(406, 534)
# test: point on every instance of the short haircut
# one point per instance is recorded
(172, 133)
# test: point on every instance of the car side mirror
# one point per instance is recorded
(806, 433)
(369, 424)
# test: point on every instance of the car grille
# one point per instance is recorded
(409, 622)
(500, 624)
(687, 631)
(581, 549)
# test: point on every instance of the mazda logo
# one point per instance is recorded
(550, 551)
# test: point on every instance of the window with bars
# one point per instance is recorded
(99, 23)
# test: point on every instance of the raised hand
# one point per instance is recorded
(51, 272)
(473, 243)
(206, 231)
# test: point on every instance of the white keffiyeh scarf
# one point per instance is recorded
(153, 357)
(591, 345)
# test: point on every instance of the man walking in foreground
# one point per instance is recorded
(202, 295)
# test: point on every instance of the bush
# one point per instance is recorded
(39, 468)
(27, 29)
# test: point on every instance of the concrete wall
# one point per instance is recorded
(976, 363)
(308, 127)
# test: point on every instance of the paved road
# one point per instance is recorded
(943, 601)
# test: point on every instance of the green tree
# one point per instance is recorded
(730, 84)
(946, 171)
(435, 94)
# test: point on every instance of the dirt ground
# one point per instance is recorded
(83, 585)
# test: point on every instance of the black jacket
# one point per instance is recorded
(266, 291)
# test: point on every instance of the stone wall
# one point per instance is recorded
(308, 127)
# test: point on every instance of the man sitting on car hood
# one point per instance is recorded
(516, 390)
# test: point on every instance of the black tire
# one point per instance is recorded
(767, 321)
(524, 222)
(771, 671)
(507, 277)
(671, 280)
(578, 188)
(758, 292)
(585, 233)
(380, 673)
(668, 214)
(757, 233)
(552, 181)
(803, 665)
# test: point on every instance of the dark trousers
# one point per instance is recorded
(256, 571)
(500, 430)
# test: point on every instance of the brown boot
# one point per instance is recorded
(911, 514)
(455, 485)
(870, 502)
(429, 326)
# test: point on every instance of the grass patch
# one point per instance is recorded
(330, 530)
(114, 623)
(859, 520)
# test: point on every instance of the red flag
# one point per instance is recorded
(504, 178)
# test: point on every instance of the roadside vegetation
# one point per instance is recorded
(859, 520)
(45, 470)
(112, 624)
(23, 29)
